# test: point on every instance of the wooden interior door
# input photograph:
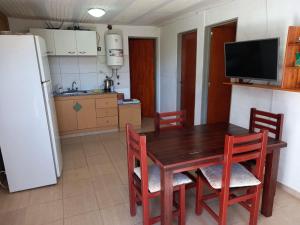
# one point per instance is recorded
(219, 95)
(142, 73)
(3, 22)
(188, 75)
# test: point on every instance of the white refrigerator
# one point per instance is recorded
(29, 138)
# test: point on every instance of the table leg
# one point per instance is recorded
(166, 198)
(270, 182)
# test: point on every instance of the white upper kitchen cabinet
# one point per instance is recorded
(86, 43)
(48, 36)
(65, 42)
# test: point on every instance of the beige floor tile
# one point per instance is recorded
(101, 169)
(71, 140)
(284, 199)
(114, 146)
(107, 180)
(79, 204)
(46, 194)
(90, 138)
(98, 159)
(107, 137)
(111, 196)
(90, 218)
(14, 201)
(119, 215)
(16, 217)
(70, 164)
(58, 222)
(76, 174)
(121, 168)
(93, 148)
(122, 135)
(79, 187)
(72, 154)
(44, 213)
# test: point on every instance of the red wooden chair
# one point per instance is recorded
(229, 176)
(169, 120)
(144, 181)
(266, 120)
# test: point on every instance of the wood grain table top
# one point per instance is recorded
(195, 145)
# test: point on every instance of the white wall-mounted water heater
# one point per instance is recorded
(114, 50)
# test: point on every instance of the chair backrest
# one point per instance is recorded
(265, 120)
(243, 148)
(136, 151)
(170, 120)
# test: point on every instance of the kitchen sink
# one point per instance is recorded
(74, 93)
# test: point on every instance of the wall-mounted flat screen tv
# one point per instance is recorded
(256, 59)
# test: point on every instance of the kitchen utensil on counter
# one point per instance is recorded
(108, 84)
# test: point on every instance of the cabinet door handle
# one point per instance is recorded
(49, 52)
(77, 107)
(71, 53)
(83, 52)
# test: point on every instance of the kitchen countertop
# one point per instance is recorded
(88, 94)
(83, 93)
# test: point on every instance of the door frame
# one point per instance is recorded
(206, 65)
(156, 69)
(179, 46)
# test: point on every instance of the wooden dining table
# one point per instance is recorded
(187, 149)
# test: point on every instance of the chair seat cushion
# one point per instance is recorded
(154, 178)
(240, 176)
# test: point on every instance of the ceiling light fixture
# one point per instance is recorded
(96, 12)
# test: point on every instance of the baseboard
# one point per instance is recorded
(289, 190)
(88, 133)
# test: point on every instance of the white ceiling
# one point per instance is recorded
(134, 12)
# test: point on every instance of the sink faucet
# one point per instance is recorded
(73, 85)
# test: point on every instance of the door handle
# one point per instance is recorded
(83, 52)
(49, 52)
(71, 53)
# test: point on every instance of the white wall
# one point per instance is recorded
(256, 19)
(168, 63)
(89, 72)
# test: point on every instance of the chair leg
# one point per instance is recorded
(146, 215)
(181, 219)
(199, 195)
(255, 208)
(133, 200)
(224, 197)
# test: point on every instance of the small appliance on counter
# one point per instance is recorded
(108, 84)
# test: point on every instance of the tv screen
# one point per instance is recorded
(255, 59)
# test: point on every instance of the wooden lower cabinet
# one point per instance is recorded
(79, 114)
(107, 121)
(86, 116)
(66, 115)
(130, 113)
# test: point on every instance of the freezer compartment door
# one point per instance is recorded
(43, 59)
(53, 127)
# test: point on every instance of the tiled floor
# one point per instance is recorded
(94, 191)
